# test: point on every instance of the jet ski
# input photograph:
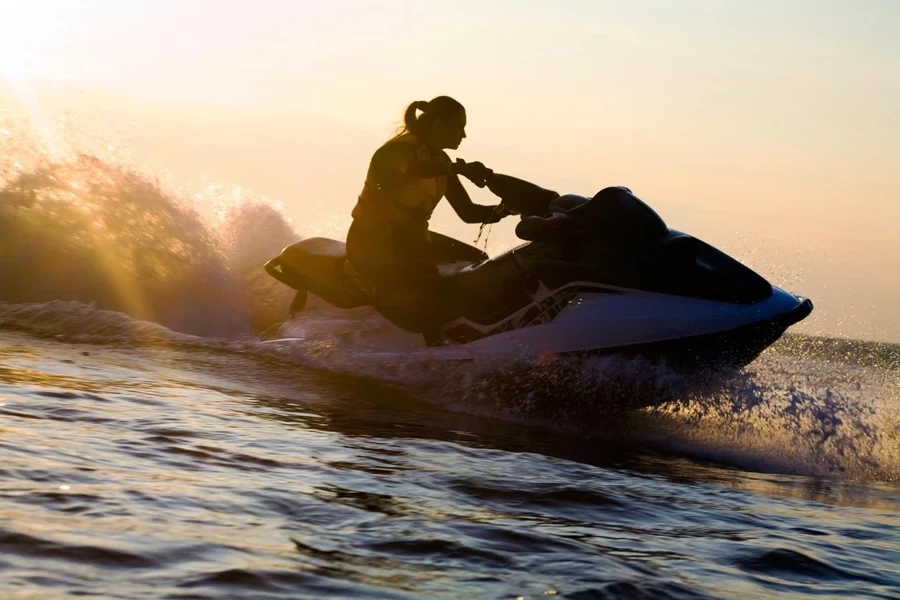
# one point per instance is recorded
(599, 275)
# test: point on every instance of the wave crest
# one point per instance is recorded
(95, 232)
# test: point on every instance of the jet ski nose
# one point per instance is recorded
(800, 312)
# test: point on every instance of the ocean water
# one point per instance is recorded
(158, 441)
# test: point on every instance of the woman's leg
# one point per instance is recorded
(400, 258)
(418, 270)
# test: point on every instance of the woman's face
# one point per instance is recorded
(449, 133)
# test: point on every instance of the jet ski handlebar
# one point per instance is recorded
(519, 196)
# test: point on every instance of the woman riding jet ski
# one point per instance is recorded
(597, 275)
(389, 242)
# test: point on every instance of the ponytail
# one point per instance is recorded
(410, 120)
(442, 107)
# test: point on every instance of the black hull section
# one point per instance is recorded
(734, 348)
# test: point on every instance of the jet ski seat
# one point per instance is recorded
(322, 259)
(319, 259)
(317, 265)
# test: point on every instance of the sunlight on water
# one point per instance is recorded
(150, 469)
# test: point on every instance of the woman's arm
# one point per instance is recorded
(467, 210)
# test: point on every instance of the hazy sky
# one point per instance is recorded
(770, 129)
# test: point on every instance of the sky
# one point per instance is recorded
(769, 129)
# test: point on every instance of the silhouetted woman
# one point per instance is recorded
(389, 241)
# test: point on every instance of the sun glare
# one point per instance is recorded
(12, 58)
(28, 31)
(16, 43)
(25, 30)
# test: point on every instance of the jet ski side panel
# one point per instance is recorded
(612, 320)
(445, 249)
(733, 348)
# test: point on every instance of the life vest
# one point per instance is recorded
(414, 201)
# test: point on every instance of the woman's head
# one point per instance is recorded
(442, 123)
